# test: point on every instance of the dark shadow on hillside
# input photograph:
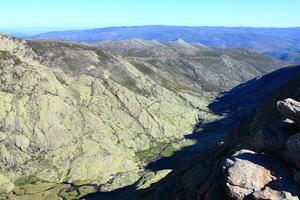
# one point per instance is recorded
(247, 95)
(233, 105)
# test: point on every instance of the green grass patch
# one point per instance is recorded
(31, 179)
(151, 153)
(169, 151)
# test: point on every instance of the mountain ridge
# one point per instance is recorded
(78, 118)
(282, 43)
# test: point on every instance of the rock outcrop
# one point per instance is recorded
(259, 176)
(245, 175)
(290, 109)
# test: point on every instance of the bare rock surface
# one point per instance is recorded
(243, 176)
(248, 174)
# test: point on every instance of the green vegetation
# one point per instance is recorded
(151, 153)
(31, 179)
(168, 151)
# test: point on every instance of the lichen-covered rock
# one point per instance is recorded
(290, 109)
(293, 146)
(5, 184)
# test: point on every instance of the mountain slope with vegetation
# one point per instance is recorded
(77, 118)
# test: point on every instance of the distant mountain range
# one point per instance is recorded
(283, 43)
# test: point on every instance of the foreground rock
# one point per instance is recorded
(243, 176)
(291, 109)
(260, 176)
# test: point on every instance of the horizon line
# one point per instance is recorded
(36, 30)
(120, 26)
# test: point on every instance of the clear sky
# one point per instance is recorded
(55, 14)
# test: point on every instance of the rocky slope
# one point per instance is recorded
(76, 119)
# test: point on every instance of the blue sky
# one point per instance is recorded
(64, 14)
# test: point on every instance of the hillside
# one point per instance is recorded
(60, 124)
